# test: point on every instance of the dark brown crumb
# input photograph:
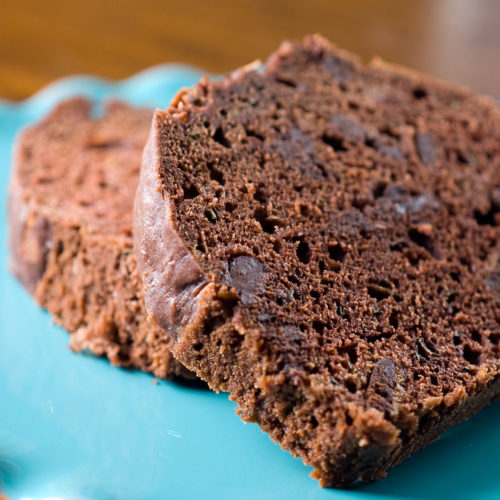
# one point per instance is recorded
(322, 241)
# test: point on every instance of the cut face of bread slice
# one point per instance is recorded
(322, 241)
(70, 211)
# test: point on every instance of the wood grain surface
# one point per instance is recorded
(458, 40)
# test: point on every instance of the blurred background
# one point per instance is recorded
(458, 40)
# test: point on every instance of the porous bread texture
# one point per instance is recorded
(322, 241)
(70, 210)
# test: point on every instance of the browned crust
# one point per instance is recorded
(177, 289)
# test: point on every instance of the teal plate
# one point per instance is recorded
(73, 426)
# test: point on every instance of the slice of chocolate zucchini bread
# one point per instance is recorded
(322, 241)
(70, 211)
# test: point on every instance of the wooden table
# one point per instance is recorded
(458, 40)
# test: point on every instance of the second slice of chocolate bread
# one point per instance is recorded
(322, 241)
(70, 214)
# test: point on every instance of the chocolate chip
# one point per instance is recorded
(418, 203)
(338, 68)
(387, 150)
(292, 333)
(426, 148)
(395, 192)
(404, 202)
(349, 128)
(247, 275)
(298, 151)
(382, 378)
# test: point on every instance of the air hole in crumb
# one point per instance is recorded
(419, 93)
(304, 252)
(348, 419)
(471, 355)
(253, 133)
(337, 252)
(350, 386)
(434, 380)
(488, 218)
(476, 336)
(230, 206)
(370, 143)
(220, 137)
(351, 352)
(319, 326)
(190, 192)
(322, 169)
(198, 346)
(268, 226)
(375, 338)
(215, 174)
(59, 248)
(493, 338)
(335, 142)
(360, 203)
(260, 195)
(462, 158)
(378, 190)
(277, 246)
(314, 422)
(424, 241)
(304, 210)
(457, 340)
(393, 319)
(286, 81)
(314, 294)
(200, 246)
